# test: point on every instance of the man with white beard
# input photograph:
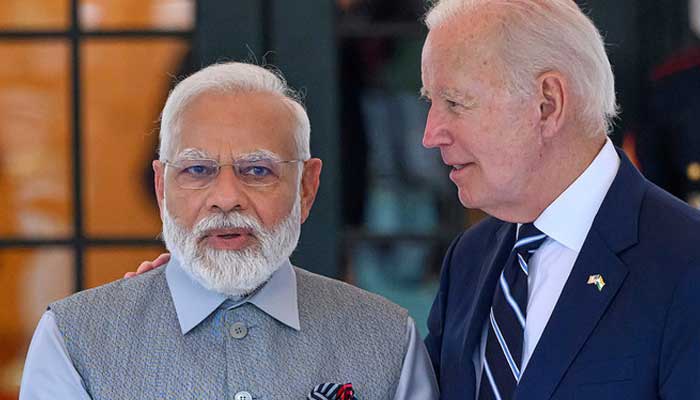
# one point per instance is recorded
(229, 317)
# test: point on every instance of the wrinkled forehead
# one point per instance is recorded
(459, 50)
(222, 126)
(465, 38)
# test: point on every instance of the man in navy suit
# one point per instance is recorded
(581, 283)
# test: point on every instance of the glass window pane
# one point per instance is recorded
(144, 14)
(34, 14)
(104, 265)
(35, 166)
(404, 271)
(399, 206)
(31, 279)
(125, 86)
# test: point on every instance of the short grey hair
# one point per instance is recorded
(548, 35)
(231, 78)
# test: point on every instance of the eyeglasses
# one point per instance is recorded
(257, 172)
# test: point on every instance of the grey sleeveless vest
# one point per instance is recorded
(125, 342)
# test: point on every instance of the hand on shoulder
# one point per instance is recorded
(149, 265)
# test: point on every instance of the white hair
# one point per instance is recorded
(231, 78)
(694, 16)
(548, 35)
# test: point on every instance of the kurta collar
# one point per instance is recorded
(193, 302)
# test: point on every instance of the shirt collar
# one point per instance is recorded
(569, 218)
(278, 298)
(193, 302)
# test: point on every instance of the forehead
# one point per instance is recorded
(463, 49)
(224, 125)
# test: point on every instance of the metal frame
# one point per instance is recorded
(79, 241)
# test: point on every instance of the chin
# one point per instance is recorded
(233, 272)
(467, 199)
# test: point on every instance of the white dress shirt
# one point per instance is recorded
(566, 222)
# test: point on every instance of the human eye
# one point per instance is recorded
(452, 104)
(196, 169)
(256, 170)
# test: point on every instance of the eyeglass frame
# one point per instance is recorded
(234, 165)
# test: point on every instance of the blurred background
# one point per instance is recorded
(82, 83)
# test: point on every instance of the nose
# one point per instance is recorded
(227, 193)
(436, 133)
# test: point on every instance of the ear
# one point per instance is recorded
(310, 180)
(159, 182)
(553, 98)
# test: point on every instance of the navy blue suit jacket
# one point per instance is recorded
(638, 338)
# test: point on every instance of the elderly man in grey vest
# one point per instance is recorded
(229, 317)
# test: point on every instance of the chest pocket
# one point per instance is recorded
(604, 380)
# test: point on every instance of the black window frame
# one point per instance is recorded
(74, 34)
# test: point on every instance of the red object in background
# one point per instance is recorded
(679, 62)
(629, 145)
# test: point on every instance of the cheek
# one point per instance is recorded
(273, 207)
(508, 149)
(185, 208)
(499, 163)
(511, 170)
(271, 211)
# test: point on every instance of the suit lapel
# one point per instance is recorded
(576, 314)
(581, 306)
(490, 270)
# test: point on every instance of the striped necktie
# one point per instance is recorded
(506, 321)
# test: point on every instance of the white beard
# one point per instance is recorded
(233, 272)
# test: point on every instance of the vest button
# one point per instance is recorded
(239, 330)
(243, 396)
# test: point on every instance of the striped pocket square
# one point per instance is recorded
(332, 391)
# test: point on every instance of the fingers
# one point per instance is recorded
(143, 267)
(149, 265)
(161, 259)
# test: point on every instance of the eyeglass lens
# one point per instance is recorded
(196, 174)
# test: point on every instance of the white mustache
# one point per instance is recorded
(227, 221)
